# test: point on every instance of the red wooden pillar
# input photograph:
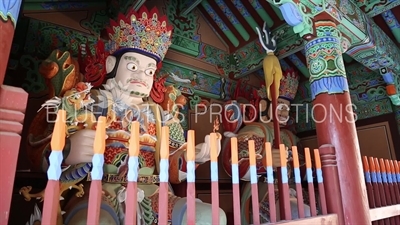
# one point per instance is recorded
(12, 108)
(334, 118)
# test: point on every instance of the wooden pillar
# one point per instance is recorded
(331, 182)
(334, 118)
(12, 108)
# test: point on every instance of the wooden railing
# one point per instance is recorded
(382, 177)
(51, 208)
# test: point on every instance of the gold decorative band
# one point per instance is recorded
(116, 179)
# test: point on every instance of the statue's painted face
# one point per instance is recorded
(135, 73)
(282, 112)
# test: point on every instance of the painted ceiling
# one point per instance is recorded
(235, 21)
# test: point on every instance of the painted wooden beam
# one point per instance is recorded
(137, 4)
(62, 6)
(374, 8)
(190, 5)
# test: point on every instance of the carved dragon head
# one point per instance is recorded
(267, 40)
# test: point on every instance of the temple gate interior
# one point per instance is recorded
(216, 56)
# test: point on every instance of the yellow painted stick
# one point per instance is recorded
(134, 140)
(268, 154)
(191, 146)
(296, 163)
(234, 150)
(317, 159)
(164, 150)
(282, 152)
(252, 153)
(100, 138)
(58, 136)
(308, 158)
(213, 143)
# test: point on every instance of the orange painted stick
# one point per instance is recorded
(164, 176)
(368, 181)
(52, 192)
(321, 188)
(270, 180)
(375, 185)
(297, 177)
(254, 181)
(133, 170)
(310, 181)
(96, 189)
(235, 181)
(396, 180)
(284, 197)
(214, 179)
(393, 186)
(191, 178)
(385, 172)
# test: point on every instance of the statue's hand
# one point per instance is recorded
(203, 150)
(81, 147)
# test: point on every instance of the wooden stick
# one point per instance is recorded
(254, 181)
(96, 188)
(367, 174)
(375, 185)
(235, 181)
(164, 175)
(384, 173)
(396, 181)
(321, 188)
(310, 181)
(191, 178)
(381, 187)
(270, 180)
(285, 184)
(389, 174)
(297, 178)
(133, 173)
(214, 179)
(52, 193)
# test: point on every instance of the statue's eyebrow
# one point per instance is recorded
(151, 65)
(131, 58)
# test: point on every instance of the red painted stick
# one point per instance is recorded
(235, 182)
(375, 185)
(254, 181)
(164, 167)
(310, 180)
(51, 206)
(270, 180)
(297, 177)
(214, 179)
(191, 178)
(390, 173)
(321, 188)
(133, 169)
(95, 194)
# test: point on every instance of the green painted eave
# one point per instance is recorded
(62, 6)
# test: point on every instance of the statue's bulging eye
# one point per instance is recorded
(132, 66)
(149, 72)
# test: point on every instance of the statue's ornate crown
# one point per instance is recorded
(144, 32)
(289, 84)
